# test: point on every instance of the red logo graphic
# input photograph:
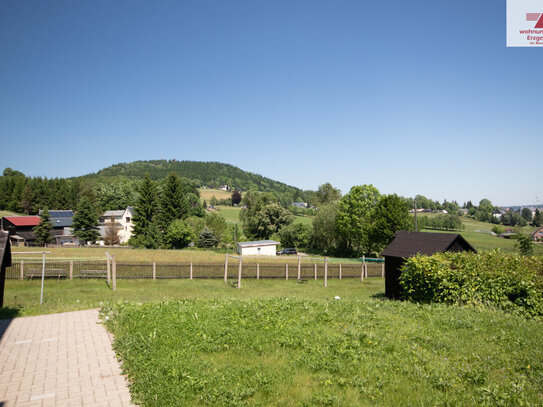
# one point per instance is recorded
(535, 17)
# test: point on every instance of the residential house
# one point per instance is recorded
(537, 235)
(62, 221)
(124, 221)
(299, 204)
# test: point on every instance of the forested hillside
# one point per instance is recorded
(205, 174)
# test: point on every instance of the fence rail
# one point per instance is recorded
(23, 269)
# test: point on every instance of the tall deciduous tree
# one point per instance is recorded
(112, 232)
(236, 197)
(324, 237)
(85, 223)
(327, 194)
(44, 228)
(538, 218)
(261, 221)
(354, 218)
(391, 215)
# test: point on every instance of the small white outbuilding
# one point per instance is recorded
(258, 248)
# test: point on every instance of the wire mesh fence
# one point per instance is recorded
(56, 268)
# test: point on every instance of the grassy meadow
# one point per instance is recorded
(299, 351)
(207, 193)
(477, 233)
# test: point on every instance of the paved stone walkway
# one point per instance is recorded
(59, 360)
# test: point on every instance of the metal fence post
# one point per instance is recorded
(257, 271)
(286, 271)
(315, 271)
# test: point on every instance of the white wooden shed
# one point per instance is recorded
(258, 248)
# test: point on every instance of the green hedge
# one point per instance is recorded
(510, 282)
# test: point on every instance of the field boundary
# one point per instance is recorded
(194, 270)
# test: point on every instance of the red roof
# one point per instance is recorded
(23, 220)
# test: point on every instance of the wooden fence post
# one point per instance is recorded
(226, 267)
(383, 270)
(114, 273)
(340, 271)
(299, 268)
(286, 271)
(315, 271)
(239, 273)
(366, 270)
(362, 273)
(154, 270)
(71, 269)
(108, 269)
(257, 271)
(191, 270)
(22, 269)
(326, 271)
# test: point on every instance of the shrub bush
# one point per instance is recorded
(510, 282)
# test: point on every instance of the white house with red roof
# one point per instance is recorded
(20, 228)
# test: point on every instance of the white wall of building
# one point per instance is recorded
(269, 250)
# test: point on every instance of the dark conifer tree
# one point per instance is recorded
(172, 204)
(146, 207)
(86, 221)
(44, 228)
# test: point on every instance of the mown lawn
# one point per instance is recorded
(297, 351)
(22, 298)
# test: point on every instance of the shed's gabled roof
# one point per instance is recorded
(407, 244)
(258, 243)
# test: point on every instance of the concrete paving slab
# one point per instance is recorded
(59, 359)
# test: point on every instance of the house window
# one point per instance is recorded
(128, 219)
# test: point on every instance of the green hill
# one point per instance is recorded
(208, 174)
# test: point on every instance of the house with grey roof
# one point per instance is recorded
(122, 219)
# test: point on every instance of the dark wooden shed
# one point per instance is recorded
(409, 244)
(5, 261)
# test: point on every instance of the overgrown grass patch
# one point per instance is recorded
(302, 352)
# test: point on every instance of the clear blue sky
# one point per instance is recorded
(414, 97)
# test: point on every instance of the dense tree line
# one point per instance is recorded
(360, 223)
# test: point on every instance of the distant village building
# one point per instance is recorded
(224, 187)
(124, 219)
(299, 204)
(538, 234)
(258, 248)
(409, 244)
(62, 222)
